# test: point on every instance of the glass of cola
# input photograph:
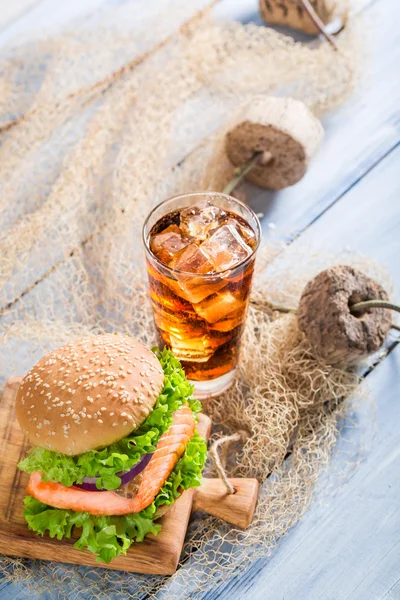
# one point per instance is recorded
(200, 253)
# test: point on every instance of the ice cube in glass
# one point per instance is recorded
(193, 263)
(200, 218)
(169, 242)
(245, 231)
(225, 248)
(218, 307)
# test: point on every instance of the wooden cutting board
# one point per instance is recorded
(156, 554)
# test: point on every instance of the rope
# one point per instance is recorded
(314, 16)
(269, 306)
(354, 308)
(241, 172)
(374, 304)
(235, 437)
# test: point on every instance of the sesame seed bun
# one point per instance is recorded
(89, 393)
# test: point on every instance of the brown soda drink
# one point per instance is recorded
(200, 253)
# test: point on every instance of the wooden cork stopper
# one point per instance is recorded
(325, 318)
(292, 14)
(284, 130)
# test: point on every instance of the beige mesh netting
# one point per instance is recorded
(88, 147)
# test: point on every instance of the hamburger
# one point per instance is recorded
(115, 441)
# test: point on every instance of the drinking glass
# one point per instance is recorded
(201, 315)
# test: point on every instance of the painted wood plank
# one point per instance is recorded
(355, 538)
(358, 135)
(350, 150)
(394, 592)
(266, 580)
(150, 24)
(11, 12)
(9, 591)
(46, 17)
(365, 220)
(382, 580)
(50, 16)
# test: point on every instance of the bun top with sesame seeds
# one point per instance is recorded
(89, 393)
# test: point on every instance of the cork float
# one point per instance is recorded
(296, 13)
(326, 318)
(277, 138)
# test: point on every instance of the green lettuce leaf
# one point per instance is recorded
(122, 455)
(108, 537)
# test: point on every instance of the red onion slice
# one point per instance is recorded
(89, 483)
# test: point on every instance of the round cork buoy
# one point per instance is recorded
(292, 13)
(284, 130)
(324, 315)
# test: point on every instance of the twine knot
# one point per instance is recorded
(240, 435)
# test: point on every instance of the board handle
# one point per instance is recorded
(237, 509)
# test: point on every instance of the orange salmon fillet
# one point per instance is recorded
(170, 448)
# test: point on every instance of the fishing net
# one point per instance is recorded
(100, 123)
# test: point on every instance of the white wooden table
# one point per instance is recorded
(347, 548)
